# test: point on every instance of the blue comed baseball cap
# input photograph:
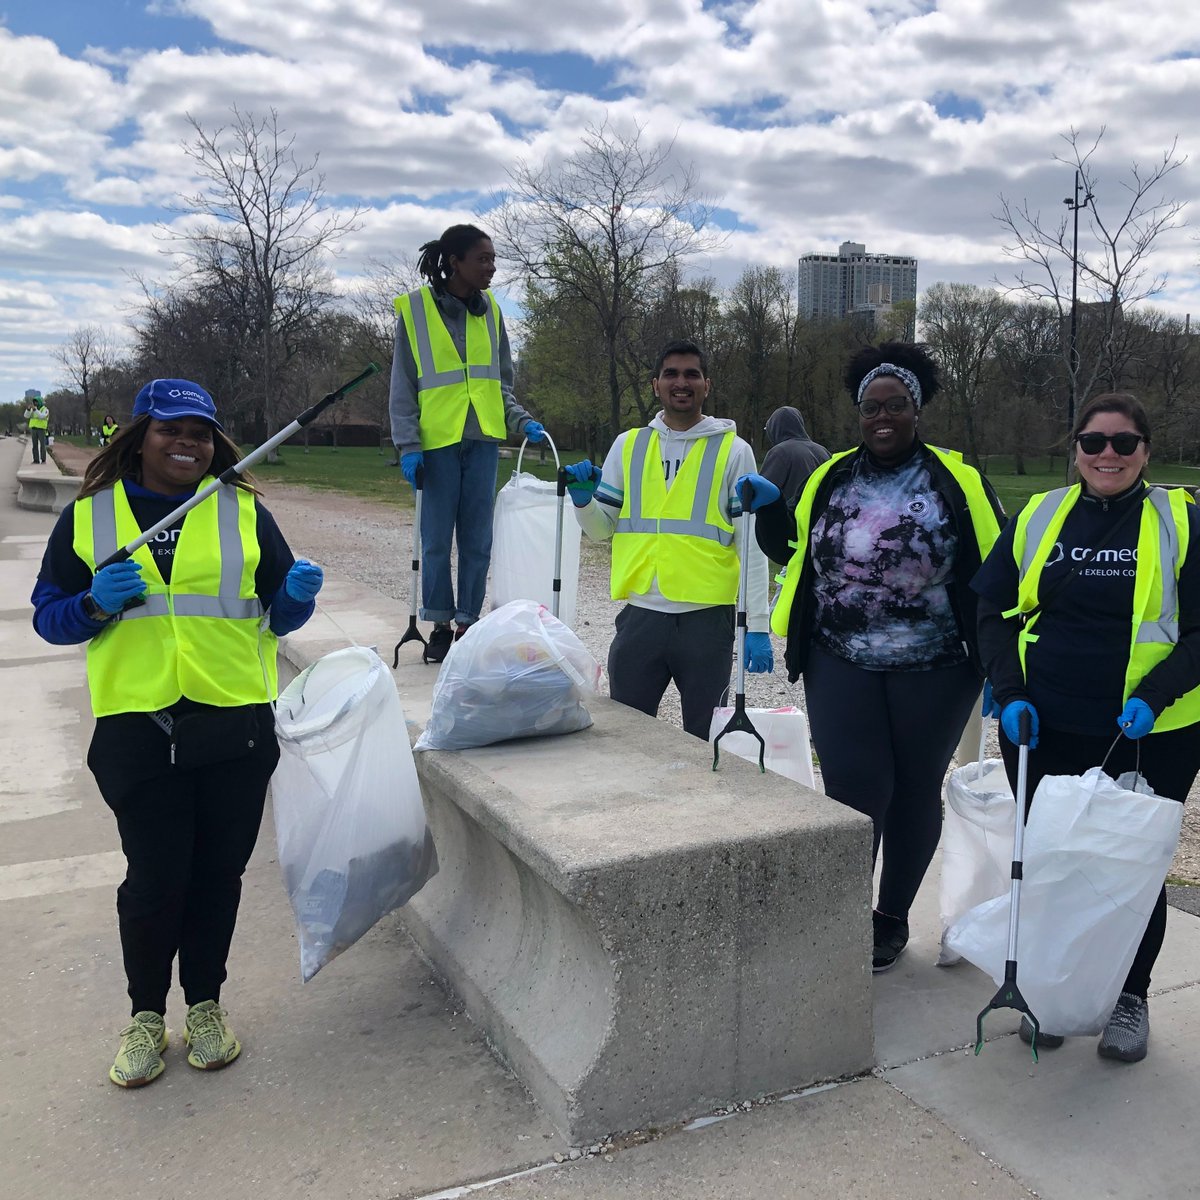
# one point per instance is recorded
(170, 399)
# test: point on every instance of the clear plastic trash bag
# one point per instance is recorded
(349, 821)
(1096, 853)
(785, 732)
(518, 672)
(977, 843)
(523, 528)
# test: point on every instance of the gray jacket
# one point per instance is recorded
(402, 401)
(793, 455)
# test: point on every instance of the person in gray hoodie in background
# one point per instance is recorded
(793, 455)
(666, 498)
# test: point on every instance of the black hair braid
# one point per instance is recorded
(435, 256)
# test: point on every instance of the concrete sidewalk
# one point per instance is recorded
(369, 1082)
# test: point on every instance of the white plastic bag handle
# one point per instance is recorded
(525, 442)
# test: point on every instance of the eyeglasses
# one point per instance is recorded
(1124, 444)
(894, 406)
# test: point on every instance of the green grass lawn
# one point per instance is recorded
(363, 471)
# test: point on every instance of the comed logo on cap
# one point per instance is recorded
(177, 392)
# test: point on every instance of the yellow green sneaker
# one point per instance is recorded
(139, 1060)
(210, 1040)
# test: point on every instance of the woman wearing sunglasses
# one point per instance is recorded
(1110, 650)
(879, 615)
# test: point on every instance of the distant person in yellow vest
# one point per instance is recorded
(37, 421)
(451, 405)
(666, 498)
(182, 673)
(879, 615)
(1113, 649)
(108, 429)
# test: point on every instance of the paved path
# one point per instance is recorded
(368, 1083)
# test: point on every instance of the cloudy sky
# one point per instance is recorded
(897, 123)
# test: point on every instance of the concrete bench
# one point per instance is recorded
(641, 939)
(44, 488)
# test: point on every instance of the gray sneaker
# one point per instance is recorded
(1045, 1041)
(1127, 1034)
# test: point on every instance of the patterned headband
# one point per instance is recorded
(903, 374)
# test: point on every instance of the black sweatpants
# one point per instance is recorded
(1168, 761)
(884, 740)
(650, 649)
(187, 836)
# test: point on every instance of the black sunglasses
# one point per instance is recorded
(1123, 443)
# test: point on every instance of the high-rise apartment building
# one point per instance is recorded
(833, 286)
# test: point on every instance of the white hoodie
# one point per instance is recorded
(598, 518)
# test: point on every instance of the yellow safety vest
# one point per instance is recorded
(446, 384)
(1154, 623)
(36, 422)
(200, 636)
(682, 536)
(109, 430)
(983, 521)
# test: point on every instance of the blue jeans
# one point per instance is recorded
(457, 501)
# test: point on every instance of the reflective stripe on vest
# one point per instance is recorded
(198, 636)
(679, 538)
(984, 524)
(36, 422)
(1162, 548)
(446, 384)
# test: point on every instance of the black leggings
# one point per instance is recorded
(885, 739)
(187, 836)
(1169, 762)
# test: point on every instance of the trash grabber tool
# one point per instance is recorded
(239, 468)
(1009, 995)
(412, 633)
(740, 722)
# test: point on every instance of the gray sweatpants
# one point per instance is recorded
(695, 649)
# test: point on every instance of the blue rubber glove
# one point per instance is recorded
(760, 658)
(535, 431)
(1136, 719)
(118, 583)
(755, 492)
(1009, 722)
(582, 478)
(303, 580)
(991, 706)
(410, 464)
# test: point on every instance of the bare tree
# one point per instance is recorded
(1113, 261)
(85, 356)
(266, 238)
(600, 225)
(961, 323)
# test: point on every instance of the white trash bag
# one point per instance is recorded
(977, 843)
(349, 821)
(523, 529)
(517, 672)
(1097, 851)
(785, 732)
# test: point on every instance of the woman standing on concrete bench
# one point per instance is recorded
(879, 616)
(181, 674)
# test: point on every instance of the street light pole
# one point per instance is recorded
(1075, 204)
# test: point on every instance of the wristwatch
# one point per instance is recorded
(93, 611)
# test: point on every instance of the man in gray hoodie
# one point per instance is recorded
(793, 455)
(667, 499)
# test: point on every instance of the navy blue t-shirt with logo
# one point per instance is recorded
(1075, 671)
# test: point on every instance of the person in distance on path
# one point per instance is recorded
(666, 498)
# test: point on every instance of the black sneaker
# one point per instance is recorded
(1046, 1041)
(440, 641)
(1127, 1035)
(462, 629)
(891, 936)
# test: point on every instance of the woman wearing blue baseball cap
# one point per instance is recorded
(181, 669)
